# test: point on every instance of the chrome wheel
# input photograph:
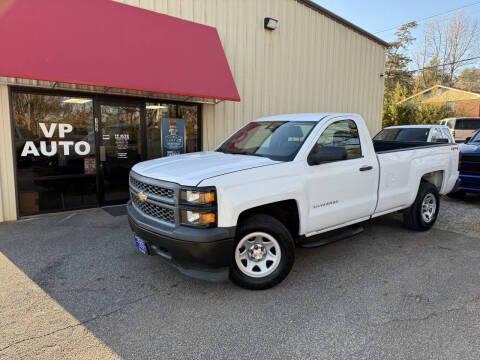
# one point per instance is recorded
(258, 254)
(429, 207)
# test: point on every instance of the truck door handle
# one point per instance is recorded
(366, 168)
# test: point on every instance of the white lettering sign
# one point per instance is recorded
(48, 133)
(81, 148)
(63, 129)
(86, 148)
(30, 149)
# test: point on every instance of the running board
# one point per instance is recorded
(327, 239)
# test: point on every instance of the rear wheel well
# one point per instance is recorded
(285, 211)
(435, 178)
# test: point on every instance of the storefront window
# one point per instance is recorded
(171, 129)
(58, 142)
(55, 152)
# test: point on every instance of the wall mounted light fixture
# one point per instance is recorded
(270, 24)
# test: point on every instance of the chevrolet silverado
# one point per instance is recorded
(239, 211)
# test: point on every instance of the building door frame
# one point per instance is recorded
(100, 101)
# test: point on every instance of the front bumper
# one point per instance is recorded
(469, 183)
(201, 253)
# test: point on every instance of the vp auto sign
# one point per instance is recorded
(80, 147)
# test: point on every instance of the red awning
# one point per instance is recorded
(108, 44)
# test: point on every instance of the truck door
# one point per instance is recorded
(346, 190)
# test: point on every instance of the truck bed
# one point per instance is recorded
(381, 146)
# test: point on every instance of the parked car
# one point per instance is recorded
(416, 133)
(462, 128)
(469, 166)
(278, 182)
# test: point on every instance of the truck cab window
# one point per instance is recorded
(343, 133)
(437, 134)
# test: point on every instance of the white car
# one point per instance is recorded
(416, 133)
(239, 211)
(463, 127)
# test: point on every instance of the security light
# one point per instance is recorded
(270, 24)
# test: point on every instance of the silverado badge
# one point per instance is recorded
(142, 196)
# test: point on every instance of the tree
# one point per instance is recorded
(397, 61)
(446, 49)
(469, 79)
(412, 112)
(396, 113)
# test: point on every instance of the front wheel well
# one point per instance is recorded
(285, 211)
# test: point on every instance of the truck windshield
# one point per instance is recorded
(403, 134)
(277, 140)
(475, 138)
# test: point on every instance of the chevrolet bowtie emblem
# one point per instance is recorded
(142, 196)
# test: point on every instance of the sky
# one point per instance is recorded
(383, 17)
(378, 15)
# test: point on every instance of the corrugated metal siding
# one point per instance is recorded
(309, 64)
(8, 207)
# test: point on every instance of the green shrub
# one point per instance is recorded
(413, 112)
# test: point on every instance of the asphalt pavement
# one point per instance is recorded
(73, 285)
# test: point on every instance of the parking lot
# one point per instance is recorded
(73, 285)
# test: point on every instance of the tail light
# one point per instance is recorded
(459, 161)
(453, 133)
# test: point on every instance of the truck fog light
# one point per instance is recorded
(197, 218)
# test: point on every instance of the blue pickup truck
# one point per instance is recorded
(469, 165)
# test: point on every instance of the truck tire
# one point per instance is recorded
(264, 253)
(424, 211)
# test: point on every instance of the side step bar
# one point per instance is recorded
(324, 239)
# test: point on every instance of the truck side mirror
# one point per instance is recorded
(444, 141)
(324, 154)
(467, 139)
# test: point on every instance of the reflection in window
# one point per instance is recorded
(55, 152)
(122, 148)
(342, 133)
(158, 112)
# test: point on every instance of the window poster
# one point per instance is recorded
(173, 137)
(90, 166)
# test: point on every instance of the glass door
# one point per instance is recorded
(119, 137)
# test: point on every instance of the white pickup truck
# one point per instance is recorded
(278, 182)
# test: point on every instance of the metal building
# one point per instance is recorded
(285, 56)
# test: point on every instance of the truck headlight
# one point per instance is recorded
(192, 217)
(198, 206)
(198, 197)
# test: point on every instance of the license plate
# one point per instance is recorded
(141, 245)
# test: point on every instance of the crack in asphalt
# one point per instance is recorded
(431, 315)
(96, 317)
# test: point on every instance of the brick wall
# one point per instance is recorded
(467, 107)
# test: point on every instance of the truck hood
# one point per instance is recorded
(190, 169)
(473, 148)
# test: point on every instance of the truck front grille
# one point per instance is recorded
(470, 164)
(151, 189)
(154, 198)
(154, 210)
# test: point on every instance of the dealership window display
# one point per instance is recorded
(55, 152)
(177, 121)
(76, 151)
